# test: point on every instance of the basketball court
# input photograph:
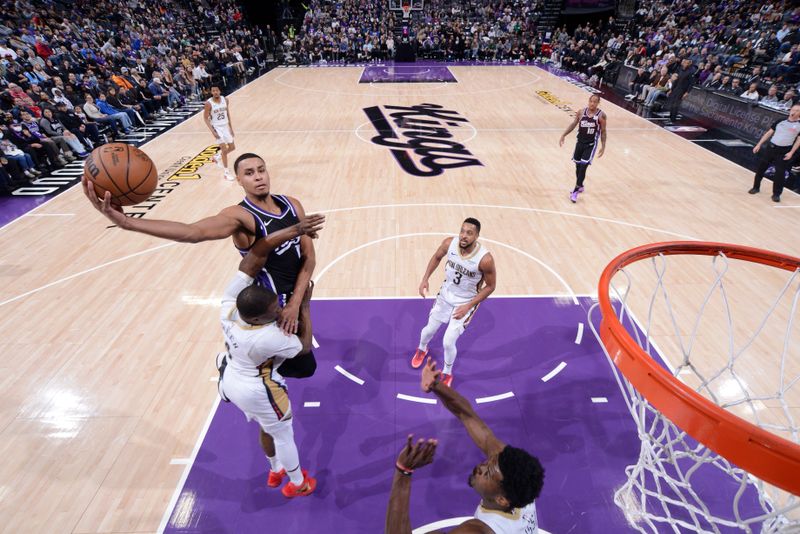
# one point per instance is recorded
(110, 421)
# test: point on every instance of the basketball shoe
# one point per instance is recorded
(308, 486)
(573, 197)
(419, 357)
(228, 176)
(274, 480)
(446, 379)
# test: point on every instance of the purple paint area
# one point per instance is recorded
(351, 441)
(407, 74)
(13, 207)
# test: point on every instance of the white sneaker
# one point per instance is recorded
(228, 176)
(217, 158)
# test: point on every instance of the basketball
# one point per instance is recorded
(124, 170)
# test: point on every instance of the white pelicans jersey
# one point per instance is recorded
(519, 521)
(462, 274)
(219, 112)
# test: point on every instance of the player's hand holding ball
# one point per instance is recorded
(121, 170)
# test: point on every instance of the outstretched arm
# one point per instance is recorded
(764, 138)
(412, 456)
(256, 257)
(480, 433)
(433, 264)
(219, 226)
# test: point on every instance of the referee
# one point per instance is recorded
(782, 142)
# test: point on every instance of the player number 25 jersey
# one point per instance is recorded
(219, 111)
(462, 274)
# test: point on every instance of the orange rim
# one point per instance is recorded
(771, 458)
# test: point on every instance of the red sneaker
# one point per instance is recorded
(447, 380)
(418, 359)
(306, 488)
(275, 479)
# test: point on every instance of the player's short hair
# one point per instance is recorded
(254, 300)
(246, 155)
(473, 221)
(523, 476)
(595, 95)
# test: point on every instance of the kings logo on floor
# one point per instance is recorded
(421, 138)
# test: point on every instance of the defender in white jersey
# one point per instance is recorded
(256, 347)
(508, 481)
(469, 278)
(217, 114)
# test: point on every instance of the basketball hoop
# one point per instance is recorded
(696, 452)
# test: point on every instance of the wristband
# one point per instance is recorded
(404, 470)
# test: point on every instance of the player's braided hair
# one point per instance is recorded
(523, 476)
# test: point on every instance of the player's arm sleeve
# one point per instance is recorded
(235, 286)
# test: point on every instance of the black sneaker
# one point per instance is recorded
(776, 198)
(222, 363)
(754, 190)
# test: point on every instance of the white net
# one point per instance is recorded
(730, 332)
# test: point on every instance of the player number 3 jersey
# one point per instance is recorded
(462, 274)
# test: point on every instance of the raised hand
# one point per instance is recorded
(430, 374)
(415, 455)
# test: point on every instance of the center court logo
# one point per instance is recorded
(422, 144)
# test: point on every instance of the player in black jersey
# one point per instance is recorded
(289, 267)
(591, 122)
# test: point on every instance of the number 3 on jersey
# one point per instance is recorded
(457, 278)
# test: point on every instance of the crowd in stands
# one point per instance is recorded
(750, 50)
(362, 30)
(74, 75)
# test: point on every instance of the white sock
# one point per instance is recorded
(296, 476)
(275, 465)
(451, 335)
(428, 332)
